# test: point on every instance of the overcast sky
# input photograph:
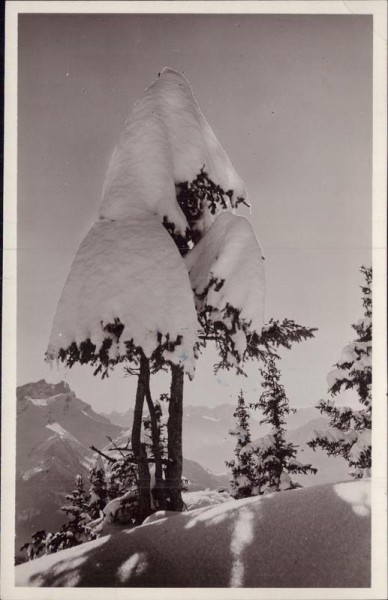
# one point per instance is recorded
(289, 98)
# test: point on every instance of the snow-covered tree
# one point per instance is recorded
(129, 298)
(99, 490)
(117, 497)
(274, 458)
(243, 472)
(77, 509)
(37, 546)
(227, 276)
(113, 496)
(349, 433)
(266, 464)
(72, 533)
(121, 475)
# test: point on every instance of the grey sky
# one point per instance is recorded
(289, 98)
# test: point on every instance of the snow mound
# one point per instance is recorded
(314, 537)
(161, 514)
(194, 500)
(131, 271)
(229, 252)
(166, 141)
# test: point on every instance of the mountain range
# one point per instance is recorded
(54, 432)
(206, 439)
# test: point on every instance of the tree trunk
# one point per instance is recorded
(138, 448)
(174, 429)
(159, 490)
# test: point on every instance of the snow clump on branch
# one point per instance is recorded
(131, 271)
(226, 270)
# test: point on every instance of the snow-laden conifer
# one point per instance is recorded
(226, 271)
(349, 434)
(242, 469)
(266, 464)
(128, 297)
(274, 458)
(99, 491)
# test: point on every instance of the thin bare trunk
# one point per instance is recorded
(138, 448)
(174, 429)
(159, 490)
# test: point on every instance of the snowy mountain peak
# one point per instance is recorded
(43, 401)
(42, 391)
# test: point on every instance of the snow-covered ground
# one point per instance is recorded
(195, 500)
(313, 537)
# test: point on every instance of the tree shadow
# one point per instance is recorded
(317, 541)
(311, 537)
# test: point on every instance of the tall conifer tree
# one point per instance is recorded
(349, 434)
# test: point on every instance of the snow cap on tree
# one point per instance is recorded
(128, 288)
(129, 271)
(166, 141)
(226, 270)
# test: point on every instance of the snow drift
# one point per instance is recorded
(313, 537)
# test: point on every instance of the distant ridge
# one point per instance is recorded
(206, 439)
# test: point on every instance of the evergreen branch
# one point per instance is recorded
(109, 458)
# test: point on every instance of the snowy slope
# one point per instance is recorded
(54, 432)
(314, 537)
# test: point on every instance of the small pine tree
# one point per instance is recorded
(120, 482)
(37, 546)
(98, 489)
(349, 433)
(77, 510)
(273, 457)
(242, 482)
(268, 463)
(117, 480)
